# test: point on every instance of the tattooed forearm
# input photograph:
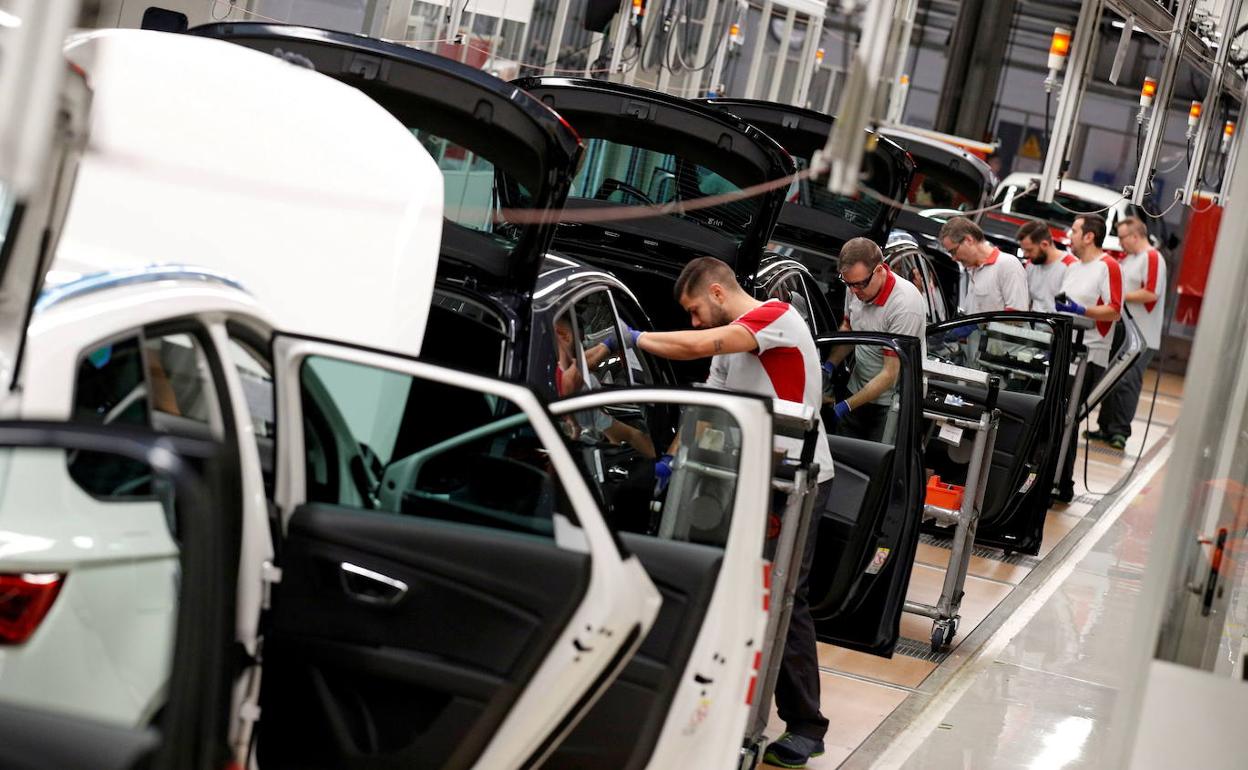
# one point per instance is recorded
(719, 346)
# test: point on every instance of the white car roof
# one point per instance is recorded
(1102, 196)
(303, 190)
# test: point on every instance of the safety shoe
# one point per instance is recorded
(1096, 435)
(791, 751)
(1117, 441)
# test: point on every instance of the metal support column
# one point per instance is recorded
(1082, 55)
(806, 65)
(977, 58)
(620, 36)
(895, 59)
(843, 152)
(1208, 116)
(556, 37)
(704, 47)
(782, 56)
(648, 23)
(1161, 104)
(756, 56)
(457, 17)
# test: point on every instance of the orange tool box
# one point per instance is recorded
(944, 495)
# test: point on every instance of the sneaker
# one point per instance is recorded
(1118, 441)
(1096, 435)
(791, 750)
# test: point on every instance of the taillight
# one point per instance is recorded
(24, 601)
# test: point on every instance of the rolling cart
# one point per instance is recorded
(954, 416)
(798, 482)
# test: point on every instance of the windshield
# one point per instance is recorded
(1062, 211)
(938, 187)
(631, 175)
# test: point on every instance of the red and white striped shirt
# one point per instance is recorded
(1098, 282)
(786, 365)
(1146, 270)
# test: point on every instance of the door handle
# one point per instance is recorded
(369, 587)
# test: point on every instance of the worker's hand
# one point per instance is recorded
(960, 333)
(631, 335)
(663, 471)
(1070, 306)
(841, 410)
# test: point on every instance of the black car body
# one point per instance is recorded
(814, 223)
(947, 181)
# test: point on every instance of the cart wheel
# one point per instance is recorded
(938, 636)
(951, 631)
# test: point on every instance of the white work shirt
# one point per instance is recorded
(1146, 270)
(1044, 282)
(1098, 282)
(785, 366)
(1000, 283)
(899, 308)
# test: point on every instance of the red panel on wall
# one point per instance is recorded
(1202, 235)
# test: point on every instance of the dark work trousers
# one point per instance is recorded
(867, 422)
(1118, 408)
(797, 686)
(1090, 378)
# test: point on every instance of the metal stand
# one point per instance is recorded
(965, 520)
(1070, 425)
(798, 482)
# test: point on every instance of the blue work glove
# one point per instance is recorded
(960, 333)
(1070, 306)
(841, 410)
(663, 471)
(631, 334)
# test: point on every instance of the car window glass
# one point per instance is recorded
(1017, 351)
(642, 367)
(647, 483)
(468, 182)
(790, 289)
(255, 375)
(161, 382)
(590, 352)
(634, 175)
(390, 442)
(855, 367)
(935, 186)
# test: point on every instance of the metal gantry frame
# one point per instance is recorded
(1156, 133)
(1078, 68)
(1230, 18)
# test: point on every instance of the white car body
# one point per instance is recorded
(206, 153)
(1109, 204)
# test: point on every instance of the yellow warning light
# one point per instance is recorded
(637, 9)
(819, 56)
(1193, 114)
(905, 79)
(1229, 129)
(734, 34)
(1060, 45)
(1147, 92)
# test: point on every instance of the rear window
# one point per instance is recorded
(938, 187)
(860, 211)
(469, 188)
(631, 175)
(1063, 214)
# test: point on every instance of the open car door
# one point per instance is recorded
(869, 531)
(450, 595)
(188, 731)
(683, 700)
(1033, 355)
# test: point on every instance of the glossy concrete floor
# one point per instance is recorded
(1041, 702)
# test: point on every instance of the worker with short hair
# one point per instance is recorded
(879, 302)
(1092, 287)
(764, 348)
(1046, 265)
(1144, 291)
(997, 282)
